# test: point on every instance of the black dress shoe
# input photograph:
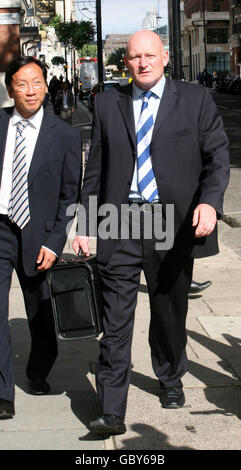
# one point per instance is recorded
(6, 409)
(197, 287)
(172, 397)
(38, 386)
(108, 424)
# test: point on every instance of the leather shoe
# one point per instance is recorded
(38, 386)
(197, 287)
(172, 397)
(108, 424)
(6, 409)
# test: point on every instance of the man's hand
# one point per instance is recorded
(81, 243)
(204, 219)
(45, 259)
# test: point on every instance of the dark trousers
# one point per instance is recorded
(168, 275)
(38, 308)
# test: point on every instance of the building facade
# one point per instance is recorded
(235, 37)
(114, 42)
(205, 37)
(24, 30)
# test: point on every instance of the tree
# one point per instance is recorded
(88, 50)
(57, 60)
(116, 58)
(73, 33)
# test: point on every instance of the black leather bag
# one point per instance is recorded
(76, 296)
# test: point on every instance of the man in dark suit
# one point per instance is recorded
(173, 130)
(40, 168)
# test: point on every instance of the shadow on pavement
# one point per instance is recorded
(70, 373)
(226, 398)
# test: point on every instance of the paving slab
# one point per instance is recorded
(66, 410)
(200, 424)
(223, 325)
(58, 440)
(206, 347)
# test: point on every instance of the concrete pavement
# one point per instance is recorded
(211, 417)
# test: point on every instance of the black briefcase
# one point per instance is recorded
(76, 296)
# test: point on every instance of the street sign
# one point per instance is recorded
(10, 18)
(44, 10)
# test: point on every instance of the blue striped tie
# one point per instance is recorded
(18, 210)
(146, 178)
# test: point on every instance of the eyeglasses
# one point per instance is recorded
(24, 86)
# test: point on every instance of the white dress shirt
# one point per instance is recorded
(154, 103)
(31, 133)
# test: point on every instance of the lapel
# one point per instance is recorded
(126, 108)
(125, 103)
(41, 151)
(4, 121)
(167, 103)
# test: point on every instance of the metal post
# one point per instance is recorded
(177, 55)
(99, 41)
(65, 49)
(190, 57)
(204, 35)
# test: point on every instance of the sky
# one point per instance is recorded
(123, 16)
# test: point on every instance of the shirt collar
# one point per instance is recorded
(35, 120)
(157, 89)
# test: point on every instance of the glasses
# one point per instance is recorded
(24, 87)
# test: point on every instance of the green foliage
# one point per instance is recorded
(55, 21)
(88, 50)
(57, 60)
(73, 33)
(117, 58)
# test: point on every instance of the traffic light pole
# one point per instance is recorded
(176, 28)
(65, 49)
(99, 41)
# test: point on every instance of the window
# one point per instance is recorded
(218, 62)
(217, 5)
(217, 35)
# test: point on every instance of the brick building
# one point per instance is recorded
(10, 19)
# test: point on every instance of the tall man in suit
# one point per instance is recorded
(40, 168)
(176, 154)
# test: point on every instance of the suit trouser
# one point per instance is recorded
(66, 115)
(38, 308)
(168, 275)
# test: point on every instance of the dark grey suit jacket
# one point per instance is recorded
(54, 183)
(189, 152)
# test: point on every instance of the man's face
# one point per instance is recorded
(146, 59)
(28, 89)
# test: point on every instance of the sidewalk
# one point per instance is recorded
(211, 417)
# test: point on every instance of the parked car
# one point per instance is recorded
(101, 86)
(108, 74)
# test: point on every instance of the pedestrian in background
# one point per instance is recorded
(54, 86)
(66, 99)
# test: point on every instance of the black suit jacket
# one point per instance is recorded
(53, 184)
(189, 152)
